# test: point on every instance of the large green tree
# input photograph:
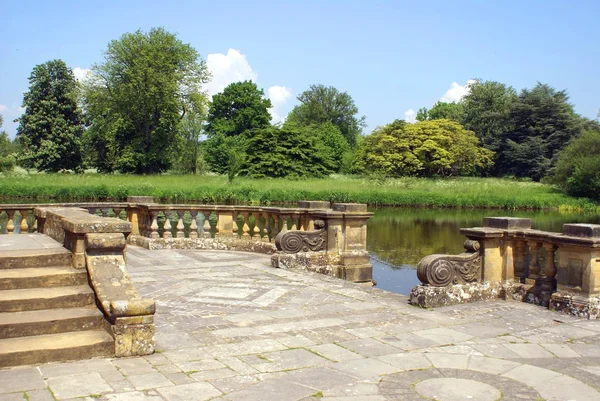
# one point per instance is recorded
(136, 98)
(449, 111)
(486, 110)
(577, 170)
(50, 129)
(543, 122)
(321, 104)
(428, 148)
(239, 108)
(234, 113)
(287, 151)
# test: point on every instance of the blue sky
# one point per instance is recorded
(390, 56)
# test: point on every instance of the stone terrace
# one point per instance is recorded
(230, 327)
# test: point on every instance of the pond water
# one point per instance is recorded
(398, 238)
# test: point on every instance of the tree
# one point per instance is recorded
(136, 98)
(287, 151)
(241, 107)
(577, 169)
(428, 148)
(236, 112)
(190, 154)
(543, 122)
(330, 139)
(486, 111)
(321, 104)
(449, 111)
(7, 150)
(50, 129)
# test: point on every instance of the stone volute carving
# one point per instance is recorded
(303, 241)
(444, 270)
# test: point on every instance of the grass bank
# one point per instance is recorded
(455, 192)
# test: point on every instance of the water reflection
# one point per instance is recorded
(399, 237)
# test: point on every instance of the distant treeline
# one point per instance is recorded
(143, 110)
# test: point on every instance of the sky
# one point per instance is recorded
(392, 57)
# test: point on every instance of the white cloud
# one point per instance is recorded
(456, 92)
(410, 116)
(279, 96)
(226, 69)
(81, 73)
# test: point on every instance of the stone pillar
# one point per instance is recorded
(354, 255)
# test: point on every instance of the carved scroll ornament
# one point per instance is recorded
(303, 241)
(443, 270)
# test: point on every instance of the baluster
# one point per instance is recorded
(34, 227)
(105, 212)
(117, 211)
(206, 225)
(550, 270)
(154, 224)
(10, 225)
(275, 227)
(284, 224)
(267, 228)
(235, 229)
(217, 225)
(194, 225)
(245, 227)
(256, 233)
(24, 227)
(519, 260)
(180, 226)
(167, 227)
(534, 263)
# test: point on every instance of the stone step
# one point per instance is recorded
(33, 277)
(45, 298)
(50, 321)
(18, 259)
(55, 347)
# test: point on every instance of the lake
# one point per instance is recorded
(397, 238)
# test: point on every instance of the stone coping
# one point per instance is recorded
(79, 220)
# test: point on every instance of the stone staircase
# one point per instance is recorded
(48, 310)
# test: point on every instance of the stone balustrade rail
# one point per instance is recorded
(513, 260)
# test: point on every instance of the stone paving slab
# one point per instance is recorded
(230, 327)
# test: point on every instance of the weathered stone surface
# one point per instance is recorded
(350, 207)
(105, 242)
(576, 305)
(507, 223)
(582, 230)
(314, 205)
(428, 296)
(140, 199)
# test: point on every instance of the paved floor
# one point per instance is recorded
(229, 327)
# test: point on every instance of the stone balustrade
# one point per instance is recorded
(508, 259)
(343, 228)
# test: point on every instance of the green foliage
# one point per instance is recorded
(136, 98)
(8, 151)
(578, 167)
(458, 192)
(428, 148)
(241, 107)
(321, 104)
(543, 123)
(288, 152)
(441, 110)
(486, 111)
(190, 158)
(50, 129)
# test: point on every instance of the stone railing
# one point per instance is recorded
(98, 244)
(506, 258)
(317, 236)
